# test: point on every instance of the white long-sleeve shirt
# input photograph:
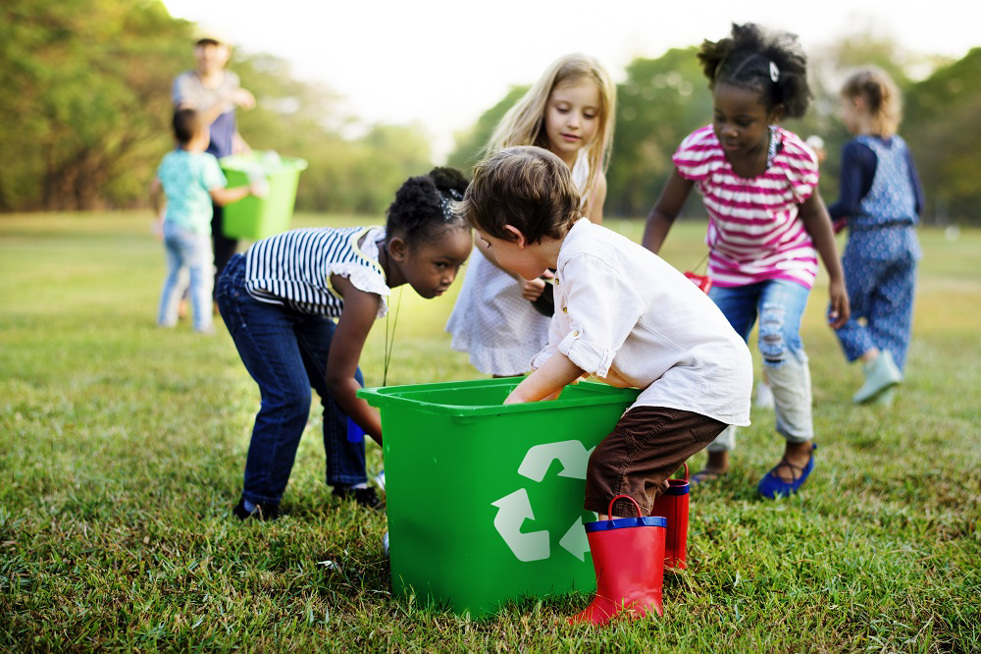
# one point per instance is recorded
(628, 317)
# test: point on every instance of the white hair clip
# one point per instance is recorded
(774, 73)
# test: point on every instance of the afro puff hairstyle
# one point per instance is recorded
(422, 210)
(770, 63)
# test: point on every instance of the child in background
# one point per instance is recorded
(766, 218)
(568, 111)
(880, 201)
(280, 301)
(192, 182)
(622, 314)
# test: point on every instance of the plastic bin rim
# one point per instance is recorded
(240, 162)
(386, 396)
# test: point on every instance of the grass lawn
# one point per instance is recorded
(122, 448)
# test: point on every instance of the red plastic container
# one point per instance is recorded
(703, 282)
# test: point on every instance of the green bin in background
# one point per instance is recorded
(253, 217)
(485, 500)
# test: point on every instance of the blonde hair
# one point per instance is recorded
(882, 98)
(524, 123)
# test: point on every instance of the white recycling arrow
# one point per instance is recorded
(573, 456)
(575, 540)
(513, 510)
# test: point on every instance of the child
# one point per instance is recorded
(622, 314)
(192, 182)
(880, 201)
(766, 218)
(568, 111)
(215, 92)
(280, 300)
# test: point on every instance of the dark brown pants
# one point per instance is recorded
(646, 447)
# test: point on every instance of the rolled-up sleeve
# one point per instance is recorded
(599, 308)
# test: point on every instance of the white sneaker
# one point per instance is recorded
(380, 480)
(764, 396)
(385, 542)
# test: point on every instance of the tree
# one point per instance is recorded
(471, 143)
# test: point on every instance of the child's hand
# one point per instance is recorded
(839, 310)
(157, 227)
(259, 188)
(531, 289)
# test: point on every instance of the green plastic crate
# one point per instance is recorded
(485, 500)
(256, 218)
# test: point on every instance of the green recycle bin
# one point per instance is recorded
(485, 500)
(253, 217)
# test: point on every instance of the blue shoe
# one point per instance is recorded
(772, 486)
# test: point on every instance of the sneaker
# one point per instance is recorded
(263, 513)
(380, 480)
(764, 396)
(880, 375)
(366, 497)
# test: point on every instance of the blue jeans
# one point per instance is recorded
(191, 250)
(779, 306)
(286, 353)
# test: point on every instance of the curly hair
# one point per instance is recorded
(770, 63)
(421, 211)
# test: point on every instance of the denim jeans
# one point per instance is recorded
(191, 250)
(779, 306)
(286, 353)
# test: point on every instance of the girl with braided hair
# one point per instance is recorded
(767, 226)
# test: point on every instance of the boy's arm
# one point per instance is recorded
(817, 222)
(665, 210)
(222, 196)
(547, 382)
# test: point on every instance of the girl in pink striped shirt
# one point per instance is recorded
(767, 226)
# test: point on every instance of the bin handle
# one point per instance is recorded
(609, 511)
(686, 470)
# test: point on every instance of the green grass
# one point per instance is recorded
(122, 447)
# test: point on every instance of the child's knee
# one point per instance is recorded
(774, 339)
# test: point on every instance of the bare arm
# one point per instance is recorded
(356, 321)
(222, 196)
(817, 222)
(665, 211)
(159, 206)
(594, 205)
(547, 382)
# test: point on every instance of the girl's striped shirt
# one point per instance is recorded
(294, 268)
(754, 233)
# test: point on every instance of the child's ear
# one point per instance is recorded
(398, 249)
(519, 237)
(776, 114)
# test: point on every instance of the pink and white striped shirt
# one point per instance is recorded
(754, 233)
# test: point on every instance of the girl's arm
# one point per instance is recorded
(817, 222)
(547, 382)
(596, 200)
(666, 209)
(357, 319)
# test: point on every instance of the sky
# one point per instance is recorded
(442, 63)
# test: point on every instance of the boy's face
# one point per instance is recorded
(516, 256)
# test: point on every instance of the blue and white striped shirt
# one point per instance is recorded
(294, 268)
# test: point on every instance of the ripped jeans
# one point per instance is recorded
(779, 305)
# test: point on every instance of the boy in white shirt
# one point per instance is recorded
(622, 314)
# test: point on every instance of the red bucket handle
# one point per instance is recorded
(686, 470)
(609, 511)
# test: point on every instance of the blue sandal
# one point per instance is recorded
(772, 486)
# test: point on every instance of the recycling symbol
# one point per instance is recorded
(515, 508)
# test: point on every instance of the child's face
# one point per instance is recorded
(515, 256)
(572, 118)
(431, 267)
(741, 121)
(851, 113)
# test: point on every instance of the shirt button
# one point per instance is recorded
(565, 309)
(556, 281)
(575, 333)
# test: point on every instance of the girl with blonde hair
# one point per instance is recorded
(880, 202)
(570, 112)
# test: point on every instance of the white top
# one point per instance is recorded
(500, 329)
(628, 317)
